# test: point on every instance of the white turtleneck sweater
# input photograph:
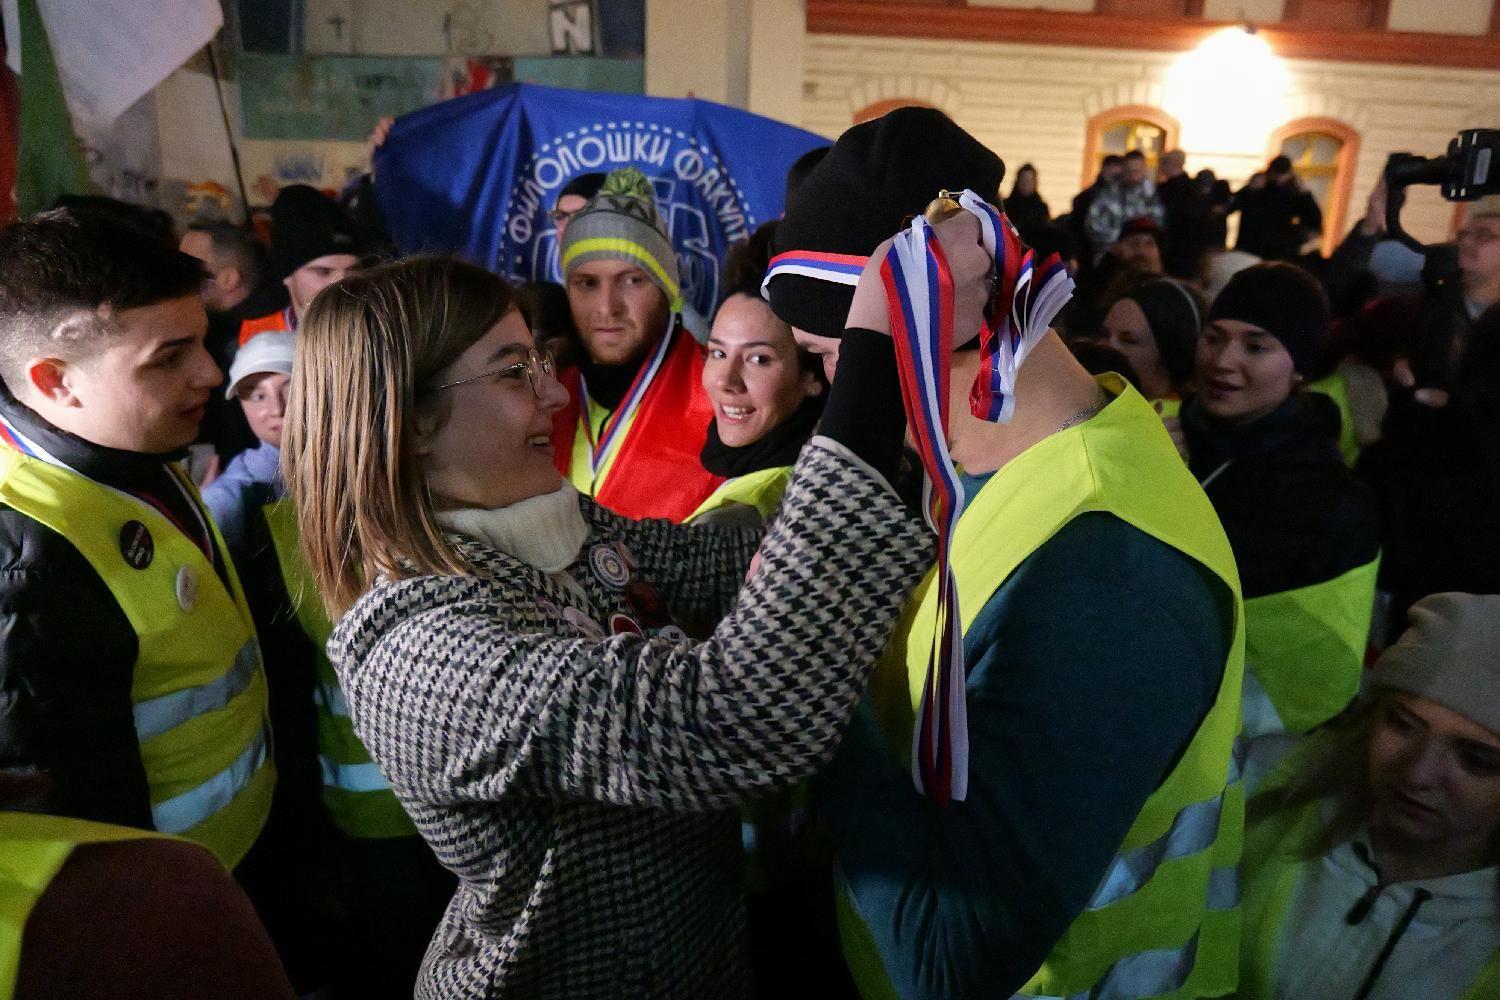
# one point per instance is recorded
(545, 531)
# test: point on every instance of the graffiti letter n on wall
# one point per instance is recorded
(571, 26)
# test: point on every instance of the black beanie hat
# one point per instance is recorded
(306, 224)
(874, 178)
(584, 186)
(1175, 314)
(1283, 300)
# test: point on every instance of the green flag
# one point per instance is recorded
(49, 160)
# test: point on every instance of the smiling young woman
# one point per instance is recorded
(510, 650)
(1304, 532)
(767, 394)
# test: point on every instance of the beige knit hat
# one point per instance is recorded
(1450, 655)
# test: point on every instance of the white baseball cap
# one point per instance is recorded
(264, 352)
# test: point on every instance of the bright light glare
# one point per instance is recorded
(1228, 93)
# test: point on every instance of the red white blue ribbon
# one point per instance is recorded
(11, 437)
(841, 268)
(919, 294)
(1028, 297)
(613, 431)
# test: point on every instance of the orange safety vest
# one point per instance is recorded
(655, 470)
(280, 321)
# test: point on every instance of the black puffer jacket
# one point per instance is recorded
(67, 652)
(1294, 514)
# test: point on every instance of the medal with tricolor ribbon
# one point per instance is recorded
(919, 294)
(613, 431)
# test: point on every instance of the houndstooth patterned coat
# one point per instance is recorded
(582, 787)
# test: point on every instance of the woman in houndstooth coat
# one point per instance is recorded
(512, 655)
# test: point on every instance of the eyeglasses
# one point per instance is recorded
(1478, 234)
(535, 366)
(557, 215)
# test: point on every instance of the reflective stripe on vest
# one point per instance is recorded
(181, 813)
(355, 793)
(1305, 652)
(761, 489)
(331, 699)
(1193, 831)
(280, 321)
(353, 777)
(156, 716)
(1164, 918)
(198, 691)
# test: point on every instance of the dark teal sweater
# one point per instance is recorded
(1089, 670)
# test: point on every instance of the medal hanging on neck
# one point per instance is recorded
(919, 296)
(613, 431)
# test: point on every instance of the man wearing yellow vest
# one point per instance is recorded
(1095, 850)
(130, 673)
(637, 416)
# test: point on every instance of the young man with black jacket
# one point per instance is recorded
(130, 672)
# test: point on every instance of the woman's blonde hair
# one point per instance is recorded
(1332, 766)
(369, 354)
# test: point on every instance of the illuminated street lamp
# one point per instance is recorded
(1229, 93)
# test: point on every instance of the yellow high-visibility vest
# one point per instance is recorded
(355, 792)
(199, 692)
(1164, 921)
(761, 489)
(33, 849)
(1336, 388)
(1305, 652)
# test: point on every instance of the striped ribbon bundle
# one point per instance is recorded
(919, 292)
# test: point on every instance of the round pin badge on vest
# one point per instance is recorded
(187, 589)
(608, 566)
(624, 625)
(136, 544)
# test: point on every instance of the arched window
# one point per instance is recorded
(1323, 152)
(872, 111)
(1119, 130)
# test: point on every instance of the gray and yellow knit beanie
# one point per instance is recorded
(621, 223)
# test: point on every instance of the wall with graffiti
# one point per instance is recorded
(302, 83)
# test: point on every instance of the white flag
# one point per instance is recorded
(111, 53)
(10, 16)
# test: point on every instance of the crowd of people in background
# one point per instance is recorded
(461, 666)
